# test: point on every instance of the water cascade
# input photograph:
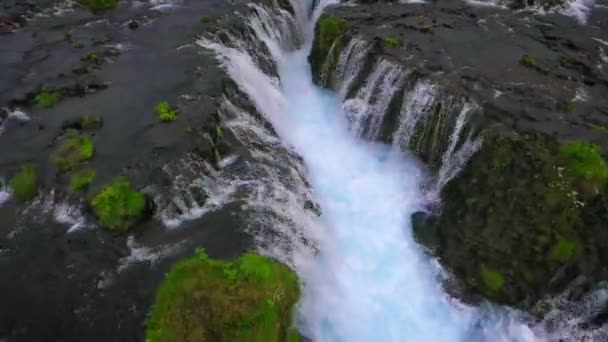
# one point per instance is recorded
(369, 280)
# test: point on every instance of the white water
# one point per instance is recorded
(370, 281)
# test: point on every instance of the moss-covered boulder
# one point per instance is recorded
(329, 31)
(24, 183)
(512, 223)
(72, 151)
(119, 206)
(248, 299)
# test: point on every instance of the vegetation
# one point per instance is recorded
(528, 60)
(248, 299)
(99, 5)
(47, 98)
(119, 206)
(563, 250)
(492, 279)
(206, 18)
(87, 122)
(330, 28)
(514, 205)
(392, 42)
(92, 58)
(164, 112)
(73, 151)
(25, 183)
(584, 162)
(81, 179)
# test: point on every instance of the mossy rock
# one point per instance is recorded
(392, 42)
(511, 220)
(25, 183)
(585, 165)
(164, 112)
(88, 122)
(247, 299)
(528, 60)
(99, 5)
(47, 98)
(81, 179)
(119, 206)
(73, 151)
(329, 30)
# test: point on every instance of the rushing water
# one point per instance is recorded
(370, 281)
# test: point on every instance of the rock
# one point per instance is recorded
(248, 299)
(133, 25)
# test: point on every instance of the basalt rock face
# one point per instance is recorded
(512, 225)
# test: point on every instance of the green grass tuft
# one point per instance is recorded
(528, 60)
(119, 206)
(73, 151)
(248, 299)
(47, 98)
(392, 42)
(25, 183)
(81, 179)
(164, 112)
(99, 5)
(584, 162)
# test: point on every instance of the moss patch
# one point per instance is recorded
(87, 122)
(248, 299)
(510, 208)
(47, 98)
(99, 5)
(392, 42)
(73, 151)
(164, 112)
(528, 60)
(81, 179)
(25, 183)
(492, 279)
(329, 29)
(563, 250)
(584, 163)
(119, 206)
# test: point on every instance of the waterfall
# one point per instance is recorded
(366, 279)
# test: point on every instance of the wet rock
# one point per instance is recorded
(11, 23)
(133, 25)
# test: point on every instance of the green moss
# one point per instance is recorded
(99, 5)
(25, 183)
(92, 58)
(248, 299)
(87, 122)
(330, 28)
(206, 18)
(492, 279)
(119, 206)
(570, 107)
(164, 112)
(584, 162)
(392, 42)
(599, 128)
(81, 179)
(47, 98)
(563, 250)
(528, 60)
(566, 61)
(73, 151)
